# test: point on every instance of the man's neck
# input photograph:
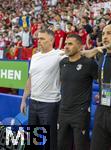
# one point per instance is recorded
(46, 51)
(75, 57)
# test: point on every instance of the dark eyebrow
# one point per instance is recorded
(69, 43)
(106, 32)
(41, 38)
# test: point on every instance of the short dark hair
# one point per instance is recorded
(69, 23)
(48, 31)
(86, 18)
(76, 36)
(107, 14)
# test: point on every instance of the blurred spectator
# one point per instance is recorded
(99, 35)
(86, 25)
(25, 18)
(2, 46)
(34, 26)
(60, 36)
(92, 39)
(83, 34)
(107, 17)
(26, 37)
(12, 53)
(71, 29)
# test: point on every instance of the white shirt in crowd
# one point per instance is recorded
(52, 2)
(2, 47)
(25, 39)
(45, 76)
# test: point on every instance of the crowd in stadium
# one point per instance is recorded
(21, 20)
(78, 26)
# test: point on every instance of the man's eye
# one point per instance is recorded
(70, 44)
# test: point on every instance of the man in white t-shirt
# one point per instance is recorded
(43, 86)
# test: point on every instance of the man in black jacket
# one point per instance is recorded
(101, 137)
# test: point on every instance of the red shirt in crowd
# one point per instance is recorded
(44, 4)
(34, 28)
(1, 16)
(35, 43)
(83, 35)
(9, 56)
(7, 20)
(58, 35)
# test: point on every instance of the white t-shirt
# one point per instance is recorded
(2, 47)
(52, 3)
(25, 39)
(45, 76)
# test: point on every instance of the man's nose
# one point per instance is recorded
(104, 37)
(65, 46)
(38, 40)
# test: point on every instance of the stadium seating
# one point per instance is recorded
(10, 110)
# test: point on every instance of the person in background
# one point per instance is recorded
(2, 46)
(60, 36)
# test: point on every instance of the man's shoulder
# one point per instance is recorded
(35, 55)
(88, 60)
(64, 60)
(58, 51)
